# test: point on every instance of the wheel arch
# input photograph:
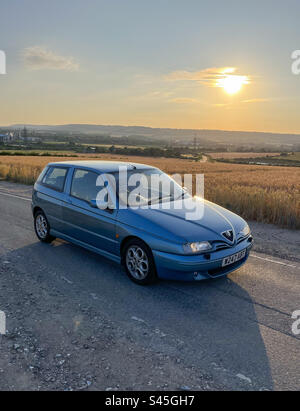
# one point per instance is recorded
(36, 209)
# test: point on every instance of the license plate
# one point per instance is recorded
(234, 258)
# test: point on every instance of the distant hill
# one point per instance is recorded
(179, 135)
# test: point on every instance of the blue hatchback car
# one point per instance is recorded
(152, 239)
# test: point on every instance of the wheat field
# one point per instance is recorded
(261, 193)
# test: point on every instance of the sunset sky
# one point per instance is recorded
(160, 63)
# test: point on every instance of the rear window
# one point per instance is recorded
(55, 178)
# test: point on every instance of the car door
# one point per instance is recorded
(82, 220)
(49, 195)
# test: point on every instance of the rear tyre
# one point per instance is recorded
(139, 262)
(42, 228)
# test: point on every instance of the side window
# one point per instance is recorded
(42, 175)
(84, 185)
(55, 178)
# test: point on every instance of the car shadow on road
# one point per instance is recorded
(210, 325)
(226, 323)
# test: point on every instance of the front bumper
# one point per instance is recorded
(199, 267)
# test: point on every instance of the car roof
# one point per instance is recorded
(103, 166)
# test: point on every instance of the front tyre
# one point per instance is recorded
(42, 228)
(139, 262)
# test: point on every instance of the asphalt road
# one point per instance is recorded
(75, 321)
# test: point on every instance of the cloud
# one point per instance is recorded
(184, 100)
(222, 104)
(238, 103)
(210, 77)
(257, 100)
(39, 58)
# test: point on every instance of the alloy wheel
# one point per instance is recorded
(137, 262)
(41, 226)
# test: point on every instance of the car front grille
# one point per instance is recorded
(222, 246)
(241, 239)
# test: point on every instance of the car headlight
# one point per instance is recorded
(197, 247)
(245, 231)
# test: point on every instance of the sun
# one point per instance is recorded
(232, 84)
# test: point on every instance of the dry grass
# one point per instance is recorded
(262, 193)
